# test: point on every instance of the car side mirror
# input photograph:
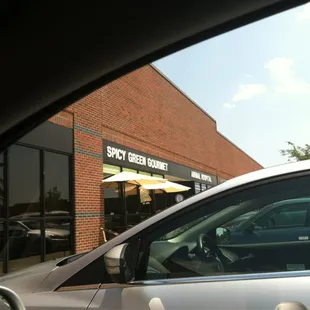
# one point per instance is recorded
(10, 299)
(120, 263)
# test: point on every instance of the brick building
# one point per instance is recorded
(52, 178)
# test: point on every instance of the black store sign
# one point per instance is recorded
(119, 155)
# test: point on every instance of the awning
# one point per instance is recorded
(169, 187)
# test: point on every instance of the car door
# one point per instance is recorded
(173, 274)
(213, 293)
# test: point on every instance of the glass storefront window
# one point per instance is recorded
(132, 199)
(56, 184)
(25, 244)
(161, 200)
(110, 170)
(30, 172)
(112, 202)
(145, 173)
(129, 170)
(23, 181)
(57, 238)
(197, 188)
(158, 176)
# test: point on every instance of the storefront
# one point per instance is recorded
(139, 203)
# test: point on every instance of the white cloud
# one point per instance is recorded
(305, 14)
(248, 91)
(229, 105)
(284, 78)
(245, 92)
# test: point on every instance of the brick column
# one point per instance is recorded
(88, 172)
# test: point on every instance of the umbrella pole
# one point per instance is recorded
(154, 207)
(123, 201)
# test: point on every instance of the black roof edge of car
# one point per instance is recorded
(23, 126)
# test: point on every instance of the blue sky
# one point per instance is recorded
(255, 81)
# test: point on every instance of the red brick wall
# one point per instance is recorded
(64, 118)
(145, 106)
(146, 112)
(231, 160)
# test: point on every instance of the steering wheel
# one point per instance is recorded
(207, 250)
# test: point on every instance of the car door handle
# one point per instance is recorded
(291, 306)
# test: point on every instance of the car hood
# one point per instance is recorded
(57, 232)
(27, 280)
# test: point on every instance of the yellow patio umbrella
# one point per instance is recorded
(132, 178)
(168, 187)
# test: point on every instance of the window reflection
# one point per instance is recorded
(24, 244)
(56, 185)
(58, 238)
(23, 181)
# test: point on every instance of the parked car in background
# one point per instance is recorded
(25, 237)
(283, 221)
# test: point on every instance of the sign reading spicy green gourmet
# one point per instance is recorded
(119, 155)
(131, 157)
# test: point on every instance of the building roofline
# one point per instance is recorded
(182, 92)
(201, 109)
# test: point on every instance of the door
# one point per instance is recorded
(213, 294)
(181, 265)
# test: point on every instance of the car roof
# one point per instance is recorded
(54, 53)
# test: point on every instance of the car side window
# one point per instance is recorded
(295, 215)
(215, 237)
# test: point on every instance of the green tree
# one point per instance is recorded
(296, 153)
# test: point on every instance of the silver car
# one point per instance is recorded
(181, 258)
